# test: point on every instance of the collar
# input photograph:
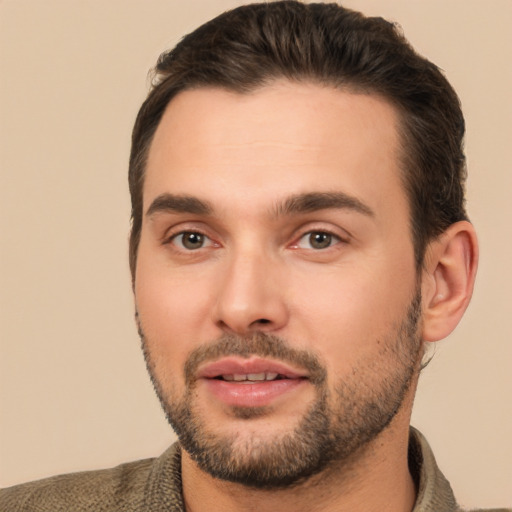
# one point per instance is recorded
(164, 487)
(434, 491)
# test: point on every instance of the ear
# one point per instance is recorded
(447, 280)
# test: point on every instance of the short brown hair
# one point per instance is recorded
(253, 45)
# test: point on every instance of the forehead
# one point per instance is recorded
(284, 138)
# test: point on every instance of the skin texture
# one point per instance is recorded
(234, 169)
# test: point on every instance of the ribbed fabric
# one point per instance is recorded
(154, 485)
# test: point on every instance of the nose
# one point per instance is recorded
(251, 295)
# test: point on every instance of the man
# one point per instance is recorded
(299, 237)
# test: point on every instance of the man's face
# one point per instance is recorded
(276, 288)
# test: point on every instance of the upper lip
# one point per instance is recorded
(253, 365)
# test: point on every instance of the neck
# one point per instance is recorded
(376, 479)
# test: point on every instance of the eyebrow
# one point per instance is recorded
(299, 203)
(170, 203)
(314, 201)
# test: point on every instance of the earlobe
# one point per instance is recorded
(448, 279)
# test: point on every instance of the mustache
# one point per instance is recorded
(259, 344)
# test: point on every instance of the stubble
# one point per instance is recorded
(338, 424)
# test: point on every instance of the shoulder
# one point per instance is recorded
(119, 488)
(434, 490)
(490, 510)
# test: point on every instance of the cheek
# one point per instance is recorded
(172, 312)
(345, 316)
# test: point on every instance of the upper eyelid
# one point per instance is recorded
(187, 231)
(181, 228)
(320, 227)
(327, 232)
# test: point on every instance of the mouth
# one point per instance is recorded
(248, 378)
(252, 382)
(253, 369)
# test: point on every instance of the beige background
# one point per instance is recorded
(74, 392)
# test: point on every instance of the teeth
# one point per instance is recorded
(254, 377)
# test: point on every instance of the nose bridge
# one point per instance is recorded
(249, 295)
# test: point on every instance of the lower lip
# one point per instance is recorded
(255, 394)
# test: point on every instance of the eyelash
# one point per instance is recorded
(333, 240)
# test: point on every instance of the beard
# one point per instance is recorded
(337, 426)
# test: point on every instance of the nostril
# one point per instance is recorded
(262, 321)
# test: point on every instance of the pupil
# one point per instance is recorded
(193, 240)
(320, 240)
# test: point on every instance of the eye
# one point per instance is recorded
(191, 240)
(317, 240)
